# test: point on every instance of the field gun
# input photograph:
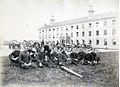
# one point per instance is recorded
(71, 71)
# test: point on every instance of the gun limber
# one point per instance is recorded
(70, 71)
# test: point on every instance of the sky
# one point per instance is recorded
(20, 19)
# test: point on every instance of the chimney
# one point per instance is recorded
(52, 20)
(45, 24)
(91, 11)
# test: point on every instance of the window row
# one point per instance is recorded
(106, 42)
(98, 42)
(97, 33)
(83, 26)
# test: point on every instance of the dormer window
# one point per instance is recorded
(82, 26)
(113, 22)
(77, 27)
(105, 23)
(90, 25)
(97, 23)
(71, 27)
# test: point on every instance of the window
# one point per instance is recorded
(76, 34)
(105, 32)
(114, 42)
(71, 34)
(57, 29)
(71, 27)
(46, 30)
(77, 41)
(105, 23)
(66, 34)
(89, 33)
(105, 42)
(76, 26)
(97, 24)
(97, 33)
(83, 33)
(83, 41)
(90, 25)
(97, 42)
(49, 29)
(53, 36)
(82, 26)
(46, 37)
(113, 31)
(90, 42)
(113, 22)
(57, 35)
(66, 28)
(71, 41)
(53, 29)
(42, 30)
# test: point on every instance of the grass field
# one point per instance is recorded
(105, 74)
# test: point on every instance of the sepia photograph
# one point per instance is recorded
(59, 43)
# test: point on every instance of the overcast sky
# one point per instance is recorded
(15, 14)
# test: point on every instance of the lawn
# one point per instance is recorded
(105, 74)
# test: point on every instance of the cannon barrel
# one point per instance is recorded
(70, 71)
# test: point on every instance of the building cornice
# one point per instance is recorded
(98, 17)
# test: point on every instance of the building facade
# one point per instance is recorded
(101, 31)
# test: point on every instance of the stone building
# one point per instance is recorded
(101, 31)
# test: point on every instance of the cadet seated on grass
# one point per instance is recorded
(54, 57)
(14, 57)
(81, 55)
(46, 60)
(40, 57)
(25, 59)
(96, 57)
(88, 59)
(91, 58)
(74, 57)
(33, 51)
(62, 57)
(47, 48)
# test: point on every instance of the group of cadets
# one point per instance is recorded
(50, 55)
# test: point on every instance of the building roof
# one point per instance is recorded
(83, 19)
